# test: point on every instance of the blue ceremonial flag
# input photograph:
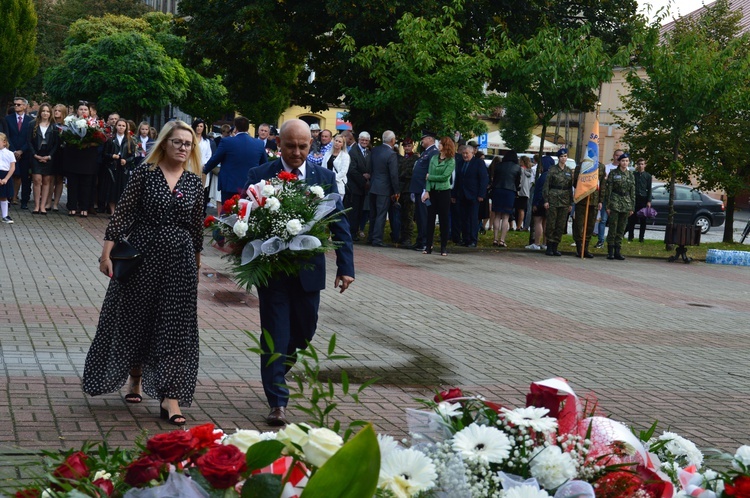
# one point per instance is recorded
(588, 179)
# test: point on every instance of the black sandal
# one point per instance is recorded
(174, 419)
(133, 397)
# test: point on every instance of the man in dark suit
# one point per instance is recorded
(236, 155)
(468, 193)
(19, 129)
(418, 184)
(384, 186)
(289, 305)
(358, 181)
(264, 131)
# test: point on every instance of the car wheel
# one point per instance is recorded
(704, 223)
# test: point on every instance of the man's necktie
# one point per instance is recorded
(20, 122)
(297, 172)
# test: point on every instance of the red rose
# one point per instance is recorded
(740, 487)
(287, 177)
(144, 470)
(209, 219)
(222, 466)
(73, 468)
(105, 485)
(172, 446)
(449, 394)
(28, 493)
(205, 435)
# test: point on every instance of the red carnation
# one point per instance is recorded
(448, 395)
(205, 435)
(144, 470)
(222, 466)
(172, 446)
(740, 487)
(28, 493)
(74, 467)
(209, 219)
(229, 205)
(105, 485)
(287, 177)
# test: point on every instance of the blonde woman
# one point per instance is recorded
(59, 111)
(43, 143)
(337, 160)
(148, 327)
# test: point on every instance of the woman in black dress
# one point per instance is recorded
(148, 327)
(119, 151)
(59, 111)
(43, 142)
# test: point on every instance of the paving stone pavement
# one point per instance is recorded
(648, 339)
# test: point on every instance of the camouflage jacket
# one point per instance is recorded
(598, 194)
(620, 192)
(405, 170)
(557, 188)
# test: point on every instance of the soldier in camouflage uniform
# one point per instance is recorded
(405, 170)
(581, 240)
(559, 201)
(620, 200)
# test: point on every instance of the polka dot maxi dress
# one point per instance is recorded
(152, 319)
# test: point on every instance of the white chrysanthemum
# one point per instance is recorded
(525, 491)
(679, 446)
(387, 445)
(81, 123)
(448, 410)
(272, 204)
(530, 417)
(267, 190)
(318, 191)
(741, 456)
(482, 443)
(293, 227)
(240, 228)
(406, 473)
(552, 468)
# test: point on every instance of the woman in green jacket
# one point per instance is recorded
(437, 194)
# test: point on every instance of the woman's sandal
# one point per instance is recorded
(134, 397)
(177, 419)
(495, 243)
(502, 244)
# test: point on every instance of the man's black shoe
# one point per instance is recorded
(24, 205)
(471, 245)
(419, 248)
(379, 244)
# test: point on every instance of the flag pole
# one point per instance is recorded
(584, 235)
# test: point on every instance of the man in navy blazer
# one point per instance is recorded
(418, 184)
(289, 305)
(19, 129)
(468, 193)
(384, 186)
(237, 155)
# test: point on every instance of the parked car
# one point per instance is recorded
(690, 206)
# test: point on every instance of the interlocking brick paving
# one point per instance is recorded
(647, 339)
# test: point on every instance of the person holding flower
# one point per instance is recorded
(148, 327)
(289, 304)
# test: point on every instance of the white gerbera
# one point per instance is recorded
(406, 473)
(387, 445)
(448, 410)
(482, 443)
(525, 491)
(679, 446)
(552, 468)
(530, 417)
(741, 456)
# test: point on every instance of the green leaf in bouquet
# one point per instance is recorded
(263, 453)
(352, 472)
(332, 345)
(262, 486)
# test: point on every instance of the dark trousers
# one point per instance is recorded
(440, 205)
(582, 239)
(290, 315)
(469, 209)
(354, 203)
(105, 179)
(378, 213)
(457, 222)
(420, 217)
(640, 203)
(407, 217)
(22, 171)
(80, 188)
(394, 220)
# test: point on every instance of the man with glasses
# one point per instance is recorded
(236, 155)
(19, 128)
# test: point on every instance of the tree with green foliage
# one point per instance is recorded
(18, 61)
(517, 122)
(689, 105)
(426, 79)
(557, 70)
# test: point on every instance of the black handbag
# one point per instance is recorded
(126, 258)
